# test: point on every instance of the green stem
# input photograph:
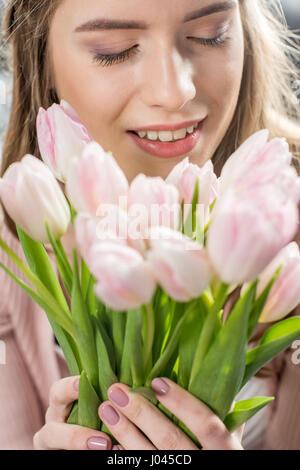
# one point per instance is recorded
(43, 291)
(208, 329)
(149, 337)
(132, 367)
(168, 351)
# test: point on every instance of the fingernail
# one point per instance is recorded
(118, 396)
(97, 443)
(160, 386)
(116, 448)
(76, 384)
(109, 414)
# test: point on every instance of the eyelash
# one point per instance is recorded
(111, 59)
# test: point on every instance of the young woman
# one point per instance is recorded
(224, 66)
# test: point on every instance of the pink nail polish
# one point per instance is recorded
(160, 386)
(109, 414)
(97, 443)
(118, 396)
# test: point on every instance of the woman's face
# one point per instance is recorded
(184, 64)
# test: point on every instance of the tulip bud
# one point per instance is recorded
(92, 230)
(249, 228)
(152, 202)
(31, 196)
(61, 137)
(256, 161)
(180, 265)
(284, 295)
(184, 177)
(125, 280)
(95, 179)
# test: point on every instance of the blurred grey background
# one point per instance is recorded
(290, 7)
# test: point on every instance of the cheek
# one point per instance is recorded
(97, 94)
(220, 78)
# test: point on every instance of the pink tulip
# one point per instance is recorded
(284, 295)
(125, 280)
(61, 137)
(249, 228)
(31, 196)
(185, 175)
(95, 179)
(152, 202)
(91, 230)
(181, 266)
(256, 161)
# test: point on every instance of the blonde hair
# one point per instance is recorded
(266, 99)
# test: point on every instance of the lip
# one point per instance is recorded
(169, 149)
(168, 127)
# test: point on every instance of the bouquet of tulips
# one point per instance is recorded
(142, 294)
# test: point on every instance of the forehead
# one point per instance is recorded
(137, 14)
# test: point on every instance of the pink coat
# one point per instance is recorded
(34, 363)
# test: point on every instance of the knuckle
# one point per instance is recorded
(136, 411)
(77, 438)
(213, 428)
(48, 414)
(55, 395)
(36, 441)
(171, 439)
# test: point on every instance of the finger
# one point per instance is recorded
(62, 395)
(122, 429)
(202, 422)
(158, 428)
(60, 436)
(239, 432)
(117, 447)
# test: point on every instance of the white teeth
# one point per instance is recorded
(180, 134)
(167, 136)
(152, 135)
(142, 134)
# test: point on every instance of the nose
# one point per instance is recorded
(168, 80)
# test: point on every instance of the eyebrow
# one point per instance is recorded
(101, 24)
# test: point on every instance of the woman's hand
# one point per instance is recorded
(56, 433)
(127, 413)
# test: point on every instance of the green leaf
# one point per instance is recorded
(107, 376)
(259, 304)
(73, 416)
(57, 323)
(190, 222)
(84, 278)
(88, 404)
(118, 328)
(84, 329)
(62, 314)
(208, 332)
(62, 262)
(132, 366)
(218, 378)
(167, 356)
(40, 264)
(277, 338)
(188, 341)
(146, 392)
(162, 313)
(244, 410)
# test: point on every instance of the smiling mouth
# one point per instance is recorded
(166, 136)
